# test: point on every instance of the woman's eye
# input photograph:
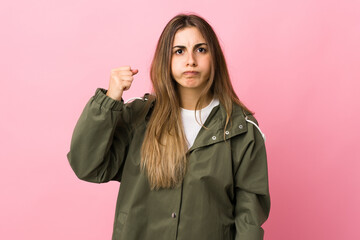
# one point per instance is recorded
(179, 51)
(201, 49)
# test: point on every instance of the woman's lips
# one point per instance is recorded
(191, 73)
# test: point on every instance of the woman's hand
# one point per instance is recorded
(120, 81)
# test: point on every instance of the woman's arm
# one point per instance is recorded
(252, 190)
(100, 139)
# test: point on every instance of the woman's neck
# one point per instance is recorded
(189, 98)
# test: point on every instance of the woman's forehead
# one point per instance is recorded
(188, 36)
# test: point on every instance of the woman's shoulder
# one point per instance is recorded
(139, 108)
(139, 104)
(251, 122)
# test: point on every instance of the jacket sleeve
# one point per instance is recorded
(100, 139)
(252, 206)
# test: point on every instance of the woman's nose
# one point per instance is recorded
(191, 61)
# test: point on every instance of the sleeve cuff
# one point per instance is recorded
(253, 234)
(106, 101)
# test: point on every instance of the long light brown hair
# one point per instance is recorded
(164, 150)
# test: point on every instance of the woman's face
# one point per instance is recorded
(191, 60)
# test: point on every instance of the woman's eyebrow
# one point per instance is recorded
(196, 45)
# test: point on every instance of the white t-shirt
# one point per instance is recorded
(191, 126)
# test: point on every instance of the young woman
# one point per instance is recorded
(190, 158)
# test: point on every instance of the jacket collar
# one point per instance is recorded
(215, 123)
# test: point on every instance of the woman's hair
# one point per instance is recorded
(164, 149)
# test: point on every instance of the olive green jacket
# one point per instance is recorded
(223, 196)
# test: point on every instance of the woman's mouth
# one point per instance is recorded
(191, 73)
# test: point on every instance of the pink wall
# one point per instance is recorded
(295, 63)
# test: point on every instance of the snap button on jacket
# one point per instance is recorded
(223, 196)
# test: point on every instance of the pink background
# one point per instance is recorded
(295, 63)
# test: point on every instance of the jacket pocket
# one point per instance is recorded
(120, 222)
(228, 232)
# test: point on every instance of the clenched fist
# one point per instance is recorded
(120, 81)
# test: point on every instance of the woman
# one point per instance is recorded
(190, 158)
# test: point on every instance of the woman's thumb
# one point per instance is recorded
(134, 71)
